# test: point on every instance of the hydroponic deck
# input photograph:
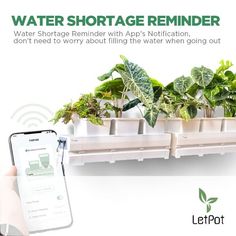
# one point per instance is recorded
(81, 150)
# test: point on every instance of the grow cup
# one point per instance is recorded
(158, 128)
(229, 124)
(126, 126)
(191, 126)
(211, 125)
(173, 125)
(83, 127)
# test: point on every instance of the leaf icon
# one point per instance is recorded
(202, 196)
(208, 207)
(212, 200)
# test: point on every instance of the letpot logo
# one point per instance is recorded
(207, 201)
(208, 219)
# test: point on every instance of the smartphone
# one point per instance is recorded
(41, 181)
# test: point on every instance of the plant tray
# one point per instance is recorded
(81, 150)
(203, 143)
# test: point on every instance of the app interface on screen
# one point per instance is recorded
(41, 183)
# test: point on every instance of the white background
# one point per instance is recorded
(53, 75)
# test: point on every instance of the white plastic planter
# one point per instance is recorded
(229, 124)
(158, 128)
(173, 125)
(125, 126)
(191, 126)
(82, 127)
(211, 125)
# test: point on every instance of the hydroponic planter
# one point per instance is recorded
(211, 125)
(81, 150)
(191, 126)
(158, 128)
(82, 127)
(125, 126)
(229, 124)
(173, 125)
(200, 144)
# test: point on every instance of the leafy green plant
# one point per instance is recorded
(207, 202)
(203, 77)
(182, 98)
(86, 107)
(138, 82)
(178, 99)
(134, 79)
(227, 88)
(157, 89)
(112, 90)
(219, 90)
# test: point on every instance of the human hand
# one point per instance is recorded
(10, 206)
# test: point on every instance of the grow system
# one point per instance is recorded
(102, 133)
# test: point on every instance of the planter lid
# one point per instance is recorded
(126, 119)
(213, 118)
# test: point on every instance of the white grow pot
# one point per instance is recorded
(125, 126)
(173, 125)
(82, 127)
(191, 126)
(158, 128)
(211, 125)
(229, 124)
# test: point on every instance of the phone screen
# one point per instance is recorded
(41, 182)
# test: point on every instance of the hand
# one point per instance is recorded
(10, 206)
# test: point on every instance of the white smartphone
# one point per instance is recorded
(41, 180)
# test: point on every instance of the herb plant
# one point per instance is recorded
(86, 107)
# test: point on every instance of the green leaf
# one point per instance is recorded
(193, 90)
(202, 76)
(202, 196)
(95, 120)
(230, 75)
(106, 75)
(216, 82)
(64, 114)
(212, 200)
(137, 81)
(221, 95)
(192, 111)
(167, 108)
(229, 108)
(156, 83)
(157, 93)
(208, 208)
(170, 87)
(131, 104)
(109, 74)
(224, 65)
(182, 84)
(151, 115)
(184, 114)
(109, 90)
